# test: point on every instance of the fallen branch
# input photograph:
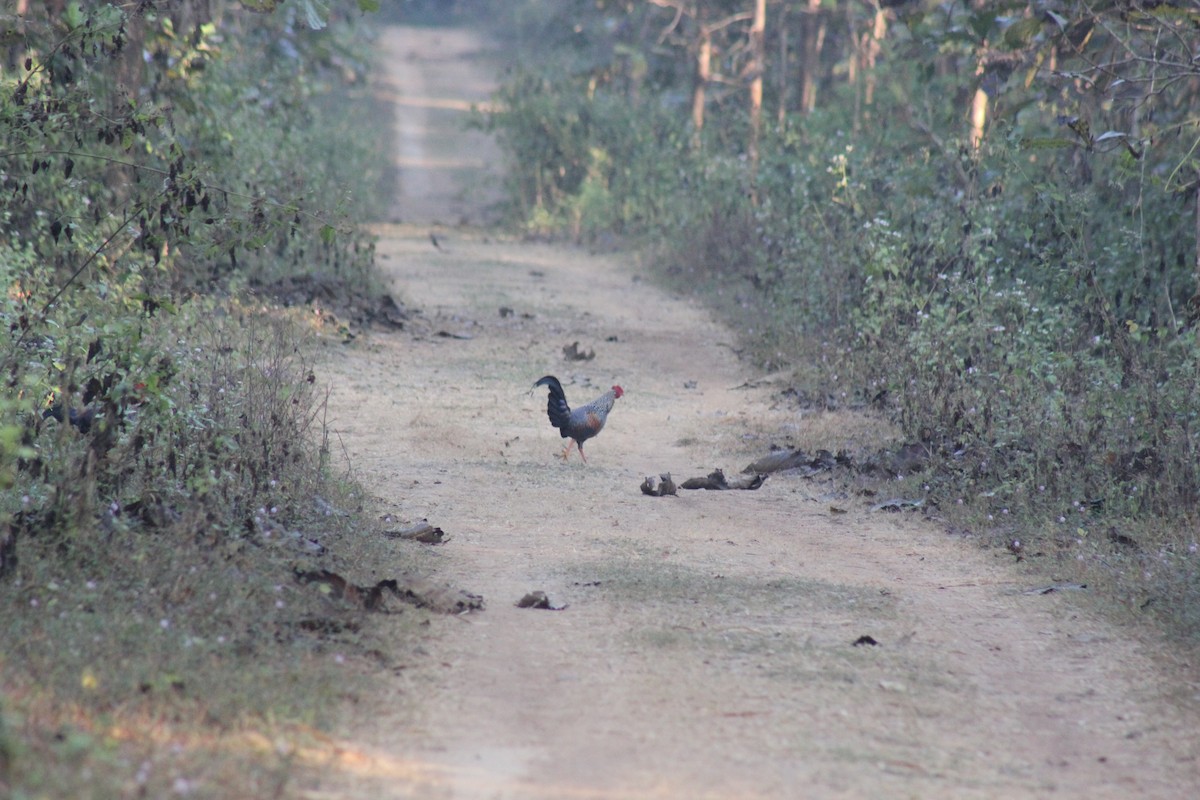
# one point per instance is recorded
(410, 589)
(717, 481)
(421, 532)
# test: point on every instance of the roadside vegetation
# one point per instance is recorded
(977, 219)
(179, 189)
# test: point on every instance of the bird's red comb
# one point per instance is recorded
(618, 391)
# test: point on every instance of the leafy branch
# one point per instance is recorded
(172, 174)
(127, 216)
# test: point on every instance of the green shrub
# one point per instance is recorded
(203, 439)
(163, 463)
(586, 164)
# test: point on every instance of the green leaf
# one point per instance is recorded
(328, 234)
(369, 6)
(1021, 33)
(981, 22)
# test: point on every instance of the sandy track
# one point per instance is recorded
(706, 650)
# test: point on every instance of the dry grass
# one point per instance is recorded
(153, 630)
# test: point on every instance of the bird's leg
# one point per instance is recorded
(567, 452)
(581, 455)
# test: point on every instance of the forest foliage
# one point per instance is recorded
(167, 170)
(979, 217)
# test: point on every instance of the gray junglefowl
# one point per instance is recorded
(579, 424)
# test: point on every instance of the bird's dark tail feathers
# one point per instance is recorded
(556, 407)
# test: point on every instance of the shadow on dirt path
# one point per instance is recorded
(707, 648)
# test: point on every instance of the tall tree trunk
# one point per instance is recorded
(812, 42)
(758, 26)
(871, 50)
(702, 76)
(131, 71)
(782, 74)
(979, 102)
(978, 116)
(14, 54)
(1197, 243)
(852, 66)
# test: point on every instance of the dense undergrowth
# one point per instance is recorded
(1022, 304)
(164, 464)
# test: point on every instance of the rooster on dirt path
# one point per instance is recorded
(579, 424)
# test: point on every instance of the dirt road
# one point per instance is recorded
(707, 648)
